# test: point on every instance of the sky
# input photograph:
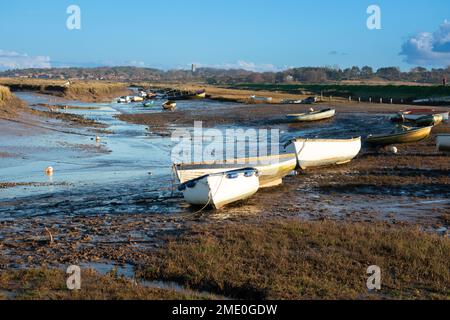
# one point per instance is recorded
(258, 35)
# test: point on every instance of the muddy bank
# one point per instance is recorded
(88, 91)
(10, 105)
(249, 115)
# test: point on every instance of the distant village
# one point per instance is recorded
(223, 76)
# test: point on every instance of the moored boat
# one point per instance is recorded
(220, 189)
(169, 105)
(406, 135)
(149, 104)
(272, 169)
(443, 142)
(137, 99)
(312, 115)
(324, 152)
(199, 94)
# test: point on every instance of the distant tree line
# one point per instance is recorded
(222, 76)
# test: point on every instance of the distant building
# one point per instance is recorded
(289, 78)
(193, 68)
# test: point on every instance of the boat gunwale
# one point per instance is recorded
(325, 140)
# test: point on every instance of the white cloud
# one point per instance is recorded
(245, 65)
(429, 49)
(15, 60)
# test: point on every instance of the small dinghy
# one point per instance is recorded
(406, 135)
(271, 169)
(220, 189)
(443, 142)
(169, 105)
(149, 104)
(312, 115)
(324, 152)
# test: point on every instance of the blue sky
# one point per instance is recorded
(253, 34)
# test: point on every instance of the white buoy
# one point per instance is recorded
(49, 171)
(311, 109)
(97, 138)
(393, 149)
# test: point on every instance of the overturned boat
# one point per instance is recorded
(312, 115)
(220, 189)
(406, 135)
(272, 169)
(324, 152)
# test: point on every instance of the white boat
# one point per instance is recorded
(124, 99)
(443, 142)
(272, 169)
(220, 189)
(412, 115)
(261, 99)
(312, 115)
(324, 152)
(290, 101)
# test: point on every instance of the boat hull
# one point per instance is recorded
(413, 135)
(312, 116)
(443, 142)
(272, 169)
(324, 152)
(431, 120)
(218, 190)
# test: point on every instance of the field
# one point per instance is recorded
(397, 92)
(300, 260)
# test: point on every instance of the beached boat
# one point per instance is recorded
(443, 142)
(431, 120)
(406, 135)
(414, 114)
(124, 99)
(261, 99)
(272, 169)
(312, 115)
(169, 105)
(324, 152)
(137, 99)
(220, 189)
(291, 101)
(149, 104)
(199, 94)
